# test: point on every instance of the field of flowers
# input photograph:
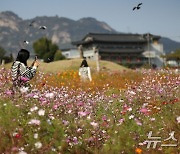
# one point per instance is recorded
(125, 112)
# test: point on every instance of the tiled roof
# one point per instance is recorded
(120, 37)
(103, 50)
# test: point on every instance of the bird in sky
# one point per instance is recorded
(26, 42)
(32, 22)
(42, 27)
(137, 7)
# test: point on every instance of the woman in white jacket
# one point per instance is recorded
(84, 71)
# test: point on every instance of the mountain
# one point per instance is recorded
(169, 45)
(62, 31)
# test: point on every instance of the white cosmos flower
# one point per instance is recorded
(132, 92)
(103, 131)
(49, 95)
(131, 116)
(34, 108)
(129, 109)
(178, 119)
(49, 121)
(34, 122)
(41, 112)
(36, 135)
(79, 130)
(22, 152)
(69, 111)
(121, 100)
(35, 96)
(38, 145)
(141, 144)
(51, 117)
(94, 124)
(153, 119)
(24, 89)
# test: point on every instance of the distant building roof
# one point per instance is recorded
(119, 37)
(104, 50)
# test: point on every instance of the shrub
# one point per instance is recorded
(58, 56)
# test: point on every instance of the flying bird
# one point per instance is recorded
(32, 22)
(26, 42)
(42, 27)
(137, 7)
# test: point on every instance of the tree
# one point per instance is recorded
(2, 53)
(45, 49)
(58, 55)
(9, 58)
(174, 56)
(48, 57)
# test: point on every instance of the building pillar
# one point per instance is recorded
(96, 53)
(3, 62)
(80, 48)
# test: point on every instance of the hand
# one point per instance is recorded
(36, 63)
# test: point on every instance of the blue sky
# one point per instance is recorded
(159, 17)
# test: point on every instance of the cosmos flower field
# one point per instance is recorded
(112, 114)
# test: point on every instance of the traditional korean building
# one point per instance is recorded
(127, 49)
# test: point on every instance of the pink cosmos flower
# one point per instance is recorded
(104, 118)
(65, 122)
(55, 106)
(91, 139)
(80, 103)
(120, 121)
(30, 95)
(138, 122)
(24, 79)
(9, 92)
(94, 124)
(81, 113)
(14, 149)
(79, 130)
(144, 110)
(75, 140)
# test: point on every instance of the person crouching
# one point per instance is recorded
(20, 72)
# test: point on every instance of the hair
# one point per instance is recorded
(23, 56)
(84, 63)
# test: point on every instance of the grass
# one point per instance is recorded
(73, 64)
(112, 114)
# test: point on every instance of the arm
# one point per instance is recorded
(79, 71)
(89, 74)
(14, 70)
(82, 64)
(28, 72)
